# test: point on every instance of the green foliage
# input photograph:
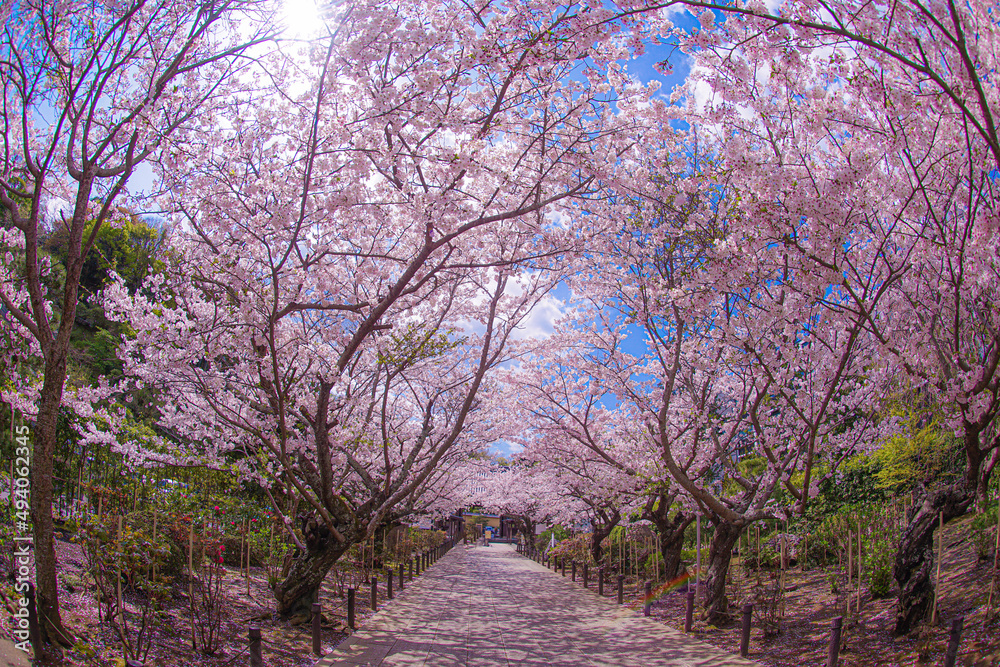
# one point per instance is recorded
(918, 455)
(417, 342)
(984, 527)
(545, 537)
(129, 247)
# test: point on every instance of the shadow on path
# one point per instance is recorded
(481, 606)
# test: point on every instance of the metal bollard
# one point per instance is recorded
(954, 639)
(689, 616)
(388, 585)
(417, 559)
(256, 659)
(833, 654)
(621, 589)
(317, 619)
(648, 595)
(374, 594)
(600, 581)
(350, 608)
(574, 570)
(401, 578)
(586, 576)
(745, 638)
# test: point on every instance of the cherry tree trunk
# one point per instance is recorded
(599, 533)
(672, 542)
(44, 447)
(297, 592)
(720, 555)
(915, 556)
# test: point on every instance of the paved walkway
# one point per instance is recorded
(480, 606)
(11, 656)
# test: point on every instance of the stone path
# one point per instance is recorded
(480, 606)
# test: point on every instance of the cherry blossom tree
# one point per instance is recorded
(358, 243)
(90, 93)
(876, 186)
(519, 492)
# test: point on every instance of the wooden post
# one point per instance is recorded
(586, 576)
(600, 581)
(621, 589)
(954, 638)
(256, 659)
(648, 594)
(745, 636)
(317, 629)
(400, 577)
(350, 608)
(833, 652)
(388, 584)
(689, 615)
(374, 594)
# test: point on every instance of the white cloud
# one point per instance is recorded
(540, 321)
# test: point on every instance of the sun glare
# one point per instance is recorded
(301, 18)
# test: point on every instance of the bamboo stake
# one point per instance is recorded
(860, 565)
(243, 538)
(154, 543)
(659, 557)
(194, 643)
(118, 577)
(996, 556)
(697, 571)
(937, 579)
(246, 529)
(850, 569)
(270, 551)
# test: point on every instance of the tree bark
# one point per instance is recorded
(298, 591)
(44, 447)
(672, 542)
(527, 528)
(671, 531)
(720, 555)
(600, 531)
(915, 556)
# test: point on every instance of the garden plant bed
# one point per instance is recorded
(805, 629)
(284, 644)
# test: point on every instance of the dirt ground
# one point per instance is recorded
(283, 644)
(804, 633)
(802, 640)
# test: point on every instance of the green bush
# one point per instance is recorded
(984, 532)
(881, 583)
